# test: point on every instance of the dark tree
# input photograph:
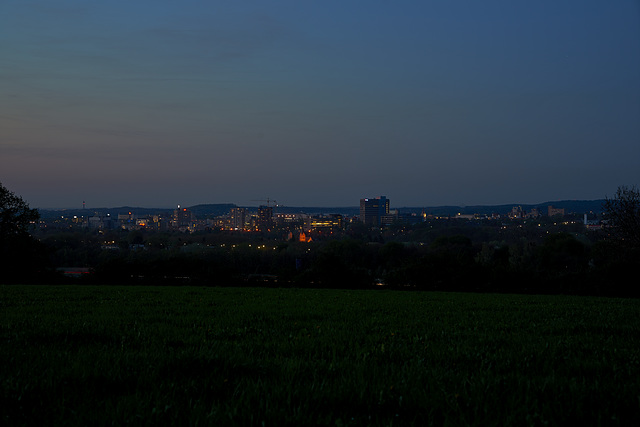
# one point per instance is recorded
(623, 214)
(616, 260)
(15, 215)
(20, 255)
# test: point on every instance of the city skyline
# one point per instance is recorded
(437, 103)
(571, 205)
(83, 204)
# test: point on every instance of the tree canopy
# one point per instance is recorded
(623, 214)
(21, 257)
(15, 215)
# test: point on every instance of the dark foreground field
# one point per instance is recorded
(230, 356)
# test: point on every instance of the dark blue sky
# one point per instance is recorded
(155, 103)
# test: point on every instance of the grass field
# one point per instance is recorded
(81, 355)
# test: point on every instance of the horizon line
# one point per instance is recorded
(321, 207)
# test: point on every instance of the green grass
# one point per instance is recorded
(82, 355)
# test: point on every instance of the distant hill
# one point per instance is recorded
(56, 213)
(346, 211)
(212, 209)
(570, 206)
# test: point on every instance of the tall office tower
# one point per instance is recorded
(372, 210)
(238, 218)
(183, 218)
(265, 218)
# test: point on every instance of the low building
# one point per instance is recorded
(555, 211)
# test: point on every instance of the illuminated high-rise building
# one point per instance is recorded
(183, 218)
(372, 210)
(237, 218)
(265, 218)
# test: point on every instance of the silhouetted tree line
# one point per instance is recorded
(438, 255)
(21, 257)
(560, 263)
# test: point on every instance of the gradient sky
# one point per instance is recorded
(318, 103)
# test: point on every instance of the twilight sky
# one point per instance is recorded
(318, 103)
